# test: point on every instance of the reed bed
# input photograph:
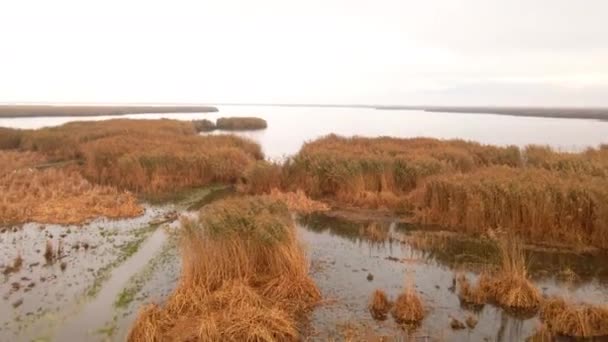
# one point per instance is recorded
(575, 320)
(536, 193)
(244, 278)
(59, 196)
(11, 161)
(534, 204)
(148, 157)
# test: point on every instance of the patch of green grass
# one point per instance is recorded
(138, 280)
(125, 251)
(109, 329)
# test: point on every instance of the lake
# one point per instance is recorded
(289, 127)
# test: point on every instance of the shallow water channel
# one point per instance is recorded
(348, 266)
(106, 270)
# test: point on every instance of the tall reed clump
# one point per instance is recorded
(240, 123)
(244, 278)
(509, 287)
(408, 309)
(576, 320)
(379, 305)
(535, 204)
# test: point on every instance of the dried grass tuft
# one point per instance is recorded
(379, 305)
(408, 308)
(244, 278)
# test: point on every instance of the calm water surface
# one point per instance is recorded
(290, 127)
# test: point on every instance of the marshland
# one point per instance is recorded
(303, 223)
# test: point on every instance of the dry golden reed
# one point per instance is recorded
(509, 287)
(379, 305)
(59, 196)
(576, 320)
(408, 308)
(150, 157)
(534, 193)
(298, 202)
(244, 278)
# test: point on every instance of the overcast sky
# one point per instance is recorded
(477, 52)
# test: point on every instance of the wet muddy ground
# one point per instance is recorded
(102, 273)
(87, 282)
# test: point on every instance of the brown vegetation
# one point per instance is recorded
(408, 308)
(474, 296)
(471, 321)
(298, 202)
(577, 320)
(203, 125)
(150, 157)
(535, 204)
(244, 278)
(509, 287)
(59, 196)
(535, 193)
(240, 123)
(379, 305)
(261, 177)
(11, 161)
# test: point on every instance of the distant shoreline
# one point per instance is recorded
(541, 112)
(31, 111)
(50, 110)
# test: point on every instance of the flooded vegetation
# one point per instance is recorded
(145, 230)
(244, 278)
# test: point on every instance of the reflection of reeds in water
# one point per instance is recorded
(244, 277)
(375, 232)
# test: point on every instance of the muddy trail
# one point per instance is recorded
(87, 282)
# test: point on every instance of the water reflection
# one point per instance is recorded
(349, 253)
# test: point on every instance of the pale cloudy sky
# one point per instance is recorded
(477, 52)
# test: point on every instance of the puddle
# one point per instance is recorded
(344, 254)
